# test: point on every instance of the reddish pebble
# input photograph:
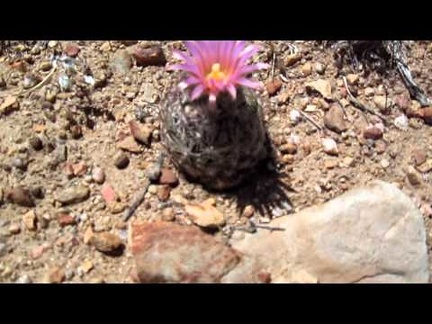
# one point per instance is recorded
(108, 194)
(65, 219)
(168, 177)
(71, 49)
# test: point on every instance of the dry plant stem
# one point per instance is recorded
(40, 84)
(310, 120)
(140, 197)
(361, 106)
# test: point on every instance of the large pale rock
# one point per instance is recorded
(370, 234)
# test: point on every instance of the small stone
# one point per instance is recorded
(373, 132)
(98, 175)
(141, 133)
(352, 79)
(273, 86)
(121, 62)
(8, 105)
(331, 164)
(295, 116)
(14, 228)
(413, 176)
(403, 102)
(38, 251)
(19, 163)
(29, 220)
(121, 160)
(88, 235)
(329, 146)
(20, 196)
(87, 266)
(168, 214)
(36, 143)
(108, 194)
(425, 167)
(3, 249)
(248, 211)
(306, 69)
(149, 56)
(288, 148)
(334, 119)
(321, 86)
(382, 103)
(76, 131)
(205, 215)
(419, 156)
(427, 115)
(105, 47)
(319, 68)
(385, 163)
(163, 193)
(291, 59)
(369, 92)
(24, 279)
(105, 242)
(129, 144)
(168, 177)
(79, 168)
(380, 146)
(56, 275)
(116, 207)
(44, 221)
(71, 49)
(65, 219)
(73, 195)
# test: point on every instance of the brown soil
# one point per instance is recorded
(101, 112)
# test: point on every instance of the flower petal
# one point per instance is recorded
(232, 90)
(249, 83)
(197, 92)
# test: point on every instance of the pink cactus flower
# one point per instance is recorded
(217, 66)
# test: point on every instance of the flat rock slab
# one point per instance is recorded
(373, 233)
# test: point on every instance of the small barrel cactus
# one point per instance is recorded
(212, 123)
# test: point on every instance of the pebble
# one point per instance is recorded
(295, 116)
(86, 266)
(427, 115)
(248, 211)
(413, 176)
(319, 68)
(24, 279)
(425, 167)
(373, 132)
(36, 143)
(20, 196)
(73, 195)
(348, 161)
(79, 168)
(331, 164)
(56, 275)
(288, 148)
(369, 92)
(329, 146)
(105, 242)
(385, 163)
(306, 69)
(168, 214)
(291, 59)
(273, 86)
(71, 49)
(121, 62)
(352, 79)
(380, 146)
(168, 177)
(163, 193)
(65, 219)
(29, 220)
(121, 160)
(419, 156)
(129, 144)
(321, 86)
(382, 103)
(153, 55)
(109, 194)
(205, 215)
(141, 133)
(98, 175)
(76, 131)
(14, 228)
(334, 119)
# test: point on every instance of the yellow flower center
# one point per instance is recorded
(216, 73)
